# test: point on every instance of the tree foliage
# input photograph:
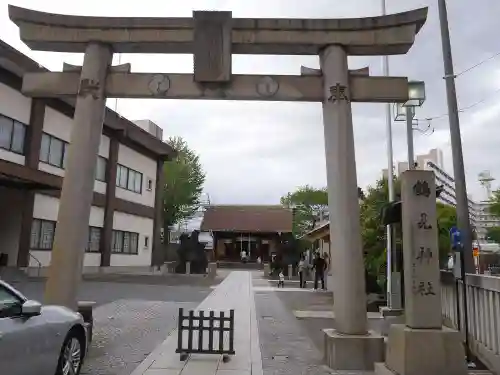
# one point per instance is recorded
(374, 232)
(307, 202)
(184, 179)
(493, 234)
(495, 203)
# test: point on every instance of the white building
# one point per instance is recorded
(484, 219)
(124, 225)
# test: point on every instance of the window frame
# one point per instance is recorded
(87, 248)
(38, 246)
(121, 249)
(129, 172)
(15, 122)
(105, 178)
(64, 151)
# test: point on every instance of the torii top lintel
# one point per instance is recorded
(386, 35)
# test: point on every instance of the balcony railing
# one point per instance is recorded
(483, 310)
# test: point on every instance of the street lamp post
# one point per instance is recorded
(406, 112)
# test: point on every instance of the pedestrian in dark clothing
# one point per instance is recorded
(319, 266)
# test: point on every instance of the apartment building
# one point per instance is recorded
(125, 219)
(484, 219)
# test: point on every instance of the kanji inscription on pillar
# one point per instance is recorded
(338, 93)
(420, 250)
(89, 87)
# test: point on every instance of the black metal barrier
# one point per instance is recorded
(197, 323)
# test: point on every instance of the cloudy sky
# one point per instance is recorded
(255, 152)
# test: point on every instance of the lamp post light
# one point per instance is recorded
(406, 112)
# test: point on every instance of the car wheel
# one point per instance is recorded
(71, 356)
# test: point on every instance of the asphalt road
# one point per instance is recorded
(106, 292)
(130, 319)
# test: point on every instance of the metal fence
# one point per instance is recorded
(212, 343)
(483, 314)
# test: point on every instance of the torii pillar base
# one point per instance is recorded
(353, 352)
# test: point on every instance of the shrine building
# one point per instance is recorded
(254, 229)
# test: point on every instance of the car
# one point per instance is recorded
(37, 339)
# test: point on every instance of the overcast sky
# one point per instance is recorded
(255, 152)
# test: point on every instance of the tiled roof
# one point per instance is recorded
(234, 218)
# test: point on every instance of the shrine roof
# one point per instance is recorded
(247, 218)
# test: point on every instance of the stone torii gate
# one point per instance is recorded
(212, 37)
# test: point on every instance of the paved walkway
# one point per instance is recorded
(235, 292)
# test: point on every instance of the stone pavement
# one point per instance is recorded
(126, 332)
(235, 292)
(288, 346)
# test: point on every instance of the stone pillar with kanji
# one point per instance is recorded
(422, 345)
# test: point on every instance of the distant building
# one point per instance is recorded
(253, 229)
(484, 219)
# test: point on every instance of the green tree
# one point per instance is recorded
(447, 218)
(495, 203)
(307, 202)
(184, 179)
(374, 232)
(493, 234)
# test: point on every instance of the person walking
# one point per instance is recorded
(302, 271)
(319, 274)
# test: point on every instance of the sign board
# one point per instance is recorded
(475, 252)
(456, 237)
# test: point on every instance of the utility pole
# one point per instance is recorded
(393, 289)
(463, 218)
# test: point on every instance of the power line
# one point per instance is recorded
(462, 110)
(478, 64)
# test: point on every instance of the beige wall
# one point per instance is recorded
(140, 163)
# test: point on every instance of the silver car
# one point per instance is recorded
(39, 340)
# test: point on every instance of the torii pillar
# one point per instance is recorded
(78, 184)
(350, 345)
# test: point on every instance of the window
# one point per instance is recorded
(42, 234)
(12, 134)
(94, 244)
(125, 242)
(121, 176)
(53, 151)
(100, 170)
(129, 179)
